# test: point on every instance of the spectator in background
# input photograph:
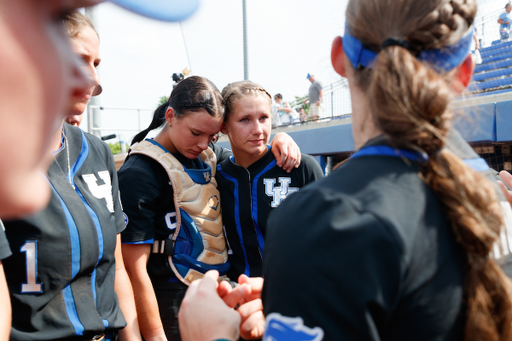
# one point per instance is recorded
(475, 48)
(303, 115)
(316, 93)
(281, 111)
(504, 20)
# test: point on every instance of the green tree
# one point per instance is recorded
(115, 147)
(163, 100)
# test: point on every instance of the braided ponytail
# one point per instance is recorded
(409, 103)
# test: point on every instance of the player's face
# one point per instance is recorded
(249, 127)
(190, 134)
(87, 45)
(39, 74)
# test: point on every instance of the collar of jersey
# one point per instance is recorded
(390, 151)
(202, 176)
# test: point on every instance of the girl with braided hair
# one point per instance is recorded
(251, 184)
(399, 237)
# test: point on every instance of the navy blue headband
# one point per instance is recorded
(442, 60)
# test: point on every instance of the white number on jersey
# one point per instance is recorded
(101, 192)
(278, 193)
(30, 249)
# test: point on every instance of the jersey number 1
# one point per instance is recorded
(30, 248)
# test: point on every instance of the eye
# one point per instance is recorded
(244, 120)
(195, 134)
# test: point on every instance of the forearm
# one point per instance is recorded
(124, 293)
(135, 259)
(127, 304)
(5, 307)
(149, 319)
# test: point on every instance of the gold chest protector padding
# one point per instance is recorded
(200, 201)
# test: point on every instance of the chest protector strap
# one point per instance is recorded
(198, 243)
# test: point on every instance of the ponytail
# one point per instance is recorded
(157, 122)
(410, 104)
(191, 94)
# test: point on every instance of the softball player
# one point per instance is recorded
(61, 272)
(403, 230)
(250, 183)
(174, 228)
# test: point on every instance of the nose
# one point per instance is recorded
(81, 78)
(95, 78)
(257, 128)
(203, 143)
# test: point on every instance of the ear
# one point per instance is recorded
(464, 74)
(169, 115)
(223, 128)
(337, 56)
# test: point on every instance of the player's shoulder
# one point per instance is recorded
(100, 148)
(141, 167)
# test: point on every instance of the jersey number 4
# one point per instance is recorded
(31, 286)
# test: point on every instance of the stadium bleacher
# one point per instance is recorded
(495, 71)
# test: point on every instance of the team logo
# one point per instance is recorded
(171, 221)
(278, 193)
(207, 176)
(280, 327)
(101, 191)
(126, 220)
(213, 202)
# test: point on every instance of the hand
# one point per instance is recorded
(507, 178)
(286, 152)
(318, 102)
(248, 296)
(203, 307)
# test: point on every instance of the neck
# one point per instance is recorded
(245, 160)
(165, 141)
(55, 144)
(363, 125)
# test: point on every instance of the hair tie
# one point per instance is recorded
(395, 42)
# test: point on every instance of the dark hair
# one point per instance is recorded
(75, 22)
(190, 95)
(279, 96)
(234, 91)
(409, 103)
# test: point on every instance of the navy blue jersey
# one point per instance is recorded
(365, 254)
(148, 200)
(248, 195)
(61, 273)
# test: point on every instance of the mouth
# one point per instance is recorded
(258, 141)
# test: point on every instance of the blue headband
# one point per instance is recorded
(442, 60)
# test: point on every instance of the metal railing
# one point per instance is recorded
(90, 119)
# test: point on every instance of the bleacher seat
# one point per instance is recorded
(495, 71)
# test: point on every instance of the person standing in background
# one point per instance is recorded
(281, 111)
(316, 94)
(504, 20)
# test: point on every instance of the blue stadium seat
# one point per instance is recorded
(492, 74)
